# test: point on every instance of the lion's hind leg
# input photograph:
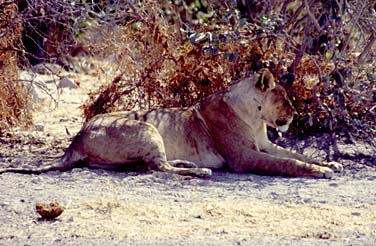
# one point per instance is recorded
(154, 155)
(199, 172)
(160, 163)
(144, 143)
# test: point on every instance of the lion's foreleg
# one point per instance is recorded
(276, 150)
(264, 163)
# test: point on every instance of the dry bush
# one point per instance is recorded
(309, 45)
(332, 104)
(162, 67)
(174, 53)
(13, 97)
(326, 61)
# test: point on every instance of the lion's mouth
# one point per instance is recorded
(282, 124)
(283, 128)
(279, 128)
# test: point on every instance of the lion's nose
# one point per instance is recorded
(281, 122)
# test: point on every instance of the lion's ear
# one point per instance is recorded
(266, 80)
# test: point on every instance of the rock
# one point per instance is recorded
(36, 89)
(66, 83)
(47, 68)
(39, 127)
(49, 211)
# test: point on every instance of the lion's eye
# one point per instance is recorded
(259, 108)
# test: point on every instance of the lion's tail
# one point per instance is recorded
(64, 164)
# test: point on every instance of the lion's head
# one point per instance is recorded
(276, 108)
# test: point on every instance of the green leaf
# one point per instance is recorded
(197, 4)
(80, 35)
(328, 55)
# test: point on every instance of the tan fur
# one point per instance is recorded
(227, 129)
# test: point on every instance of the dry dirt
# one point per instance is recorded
(112, 208)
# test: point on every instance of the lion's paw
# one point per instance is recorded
(324, 172)
(335, 166)
(203, 172)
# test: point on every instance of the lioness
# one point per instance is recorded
(227, 129)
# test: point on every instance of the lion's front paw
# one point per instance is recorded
(323, 172)
(328, 173)
(335, 166)
(203, 172)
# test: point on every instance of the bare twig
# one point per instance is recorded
(362, 57)
(295, 15)
(354, 23)
(311, 16)
(299, 54)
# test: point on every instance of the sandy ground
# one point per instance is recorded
(111, 208)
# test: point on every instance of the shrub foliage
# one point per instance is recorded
(14, 110)
(175, 52)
